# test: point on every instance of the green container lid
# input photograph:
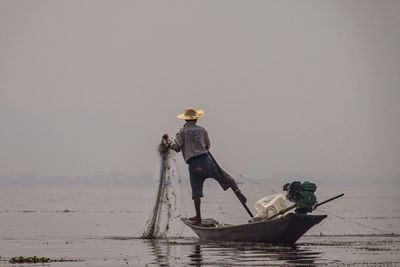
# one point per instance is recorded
(307, 186)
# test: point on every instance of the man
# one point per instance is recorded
(194, 143)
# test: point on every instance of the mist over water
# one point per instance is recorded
(288, 89)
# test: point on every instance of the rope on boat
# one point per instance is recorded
(251, 180)
(358, 223)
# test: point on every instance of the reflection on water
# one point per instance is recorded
(161, 252)
(196, 257)
(197, 253)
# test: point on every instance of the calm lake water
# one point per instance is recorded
(101, 225)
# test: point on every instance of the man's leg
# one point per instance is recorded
(197, 204)
(231, 181)
(234, 186)
(196, 182)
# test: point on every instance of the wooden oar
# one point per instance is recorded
(222, 174)
(326, 201)
(282, 212)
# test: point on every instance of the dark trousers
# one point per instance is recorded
(203, 167)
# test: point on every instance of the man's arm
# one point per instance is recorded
(175, 144)
(208, 144)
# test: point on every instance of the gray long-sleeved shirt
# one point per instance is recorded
(192, 140)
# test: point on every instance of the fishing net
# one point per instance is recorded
(167, 207)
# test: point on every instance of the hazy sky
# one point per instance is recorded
(289, 87)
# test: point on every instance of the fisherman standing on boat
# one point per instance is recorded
(194, 143)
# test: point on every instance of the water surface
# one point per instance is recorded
(102, 225)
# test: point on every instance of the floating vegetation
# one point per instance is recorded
(36, 259)
(67, 210)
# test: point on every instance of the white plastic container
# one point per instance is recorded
(270, 205)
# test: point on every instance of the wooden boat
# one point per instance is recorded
(286, 229)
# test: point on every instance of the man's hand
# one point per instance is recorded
(167, 141)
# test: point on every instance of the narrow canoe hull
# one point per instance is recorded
(286, 230)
